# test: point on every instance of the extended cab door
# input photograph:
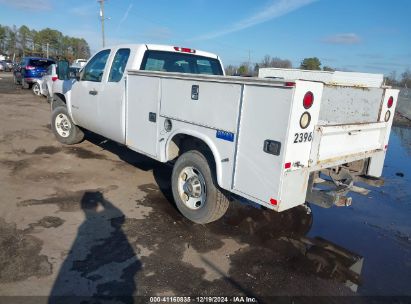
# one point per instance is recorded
(85, 92)
(112, 98)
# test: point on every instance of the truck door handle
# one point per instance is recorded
(93, 92)
(195, 91)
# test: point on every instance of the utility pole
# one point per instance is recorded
(47, 50)
(249, 62)
(102, 20)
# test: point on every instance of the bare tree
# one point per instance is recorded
(275, 62)
(406, 78)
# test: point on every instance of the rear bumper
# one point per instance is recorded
(30, 79)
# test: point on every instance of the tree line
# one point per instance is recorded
(16, 43)
(248, 69)
(404, 80)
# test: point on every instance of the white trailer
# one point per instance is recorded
(265, 140)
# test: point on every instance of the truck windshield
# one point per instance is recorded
(180, 63)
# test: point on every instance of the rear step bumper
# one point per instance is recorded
(328, 193)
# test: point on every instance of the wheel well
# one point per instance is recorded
(58, 100)
(181, 143)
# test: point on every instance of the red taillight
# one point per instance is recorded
(287, 165)
(390, 102)
(54, 78)
(184, 50)
(289, 84)
(308, 100)
(273, 202)
(29, 67)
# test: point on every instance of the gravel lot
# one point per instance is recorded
(98, 219)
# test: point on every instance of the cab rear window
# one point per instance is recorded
(180, 63)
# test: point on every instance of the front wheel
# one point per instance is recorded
(63, 127)
(36, 89)
(195, 189)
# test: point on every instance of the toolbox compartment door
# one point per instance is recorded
(264, 117)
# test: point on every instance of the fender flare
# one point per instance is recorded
(206, 139)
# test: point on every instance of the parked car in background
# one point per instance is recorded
(48, 79)
(79, 63)
(65, 79)
(2, 66)
(38, 87)
(30, 69)
(8, 65)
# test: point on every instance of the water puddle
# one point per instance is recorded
(378, 227)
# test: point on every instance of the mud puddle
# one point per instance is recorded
(378, 226)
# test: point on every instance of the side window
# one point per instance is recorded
(94, 70)
(50, 70)
(119, 65)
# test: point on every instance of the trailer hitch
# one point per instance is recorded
(333, 192)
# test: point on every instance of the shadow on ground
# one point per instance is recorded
(101, 262)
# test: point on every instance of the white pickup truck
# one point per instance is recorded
(277, 142)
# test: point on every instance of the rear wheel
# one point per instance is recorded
(36, 89)
(195, 189)
(63, 127)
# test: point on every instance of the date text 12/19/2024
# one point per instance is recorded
(200, 299)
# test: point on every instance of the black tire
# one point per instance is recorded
(216, 203)
(34, 87)
(74, 133)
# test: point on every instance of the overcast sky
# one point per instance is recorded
(356, 35)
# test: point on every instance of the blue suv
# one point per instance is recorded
(30, 69)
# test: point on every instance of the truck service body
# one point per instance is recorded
(264, 139)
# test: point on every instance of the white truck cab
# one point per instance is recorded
(276, 142)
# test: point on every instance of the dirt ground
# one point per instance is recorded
(97, 219)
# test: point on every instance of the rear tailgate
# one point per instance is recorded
(335, 143)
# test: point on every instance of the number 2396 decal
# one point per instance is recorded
(303, 137)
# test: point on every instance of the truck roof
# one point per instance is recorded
(166, 48)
